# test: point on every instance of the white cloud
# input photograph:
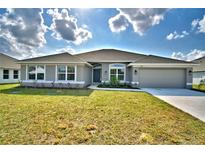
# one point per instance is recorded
(118, 23)
(193, 54)
(64, 26)
(194, 23)
(175, 35)
(66, 49)
(199, 25)
(140, 19)
(22, 32)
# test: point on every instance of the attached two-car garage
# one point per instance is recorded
(162, 77)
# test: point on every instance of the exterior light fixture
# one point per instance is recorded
(135, 71)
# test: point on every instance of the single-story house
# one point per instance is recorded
(83, 69)
(199, 70)
(9, 69)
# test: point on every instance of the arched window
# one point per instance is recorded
(117, 71)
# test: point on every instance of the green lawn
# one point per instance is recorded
(43, 116)
(199, 87)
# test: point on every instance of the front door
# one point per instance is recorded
(96, 75)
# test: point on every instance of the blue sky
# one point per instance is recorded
(164, 32)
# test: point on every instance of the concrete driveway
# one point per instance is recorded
(190, 101)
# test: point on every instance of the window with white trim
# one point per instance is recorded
(36, 72)
(16, 74)
(61, 72)
(66, 73)
(117, 71)
(40, 71)
(5, 74)
(31, 72)
(70, 73)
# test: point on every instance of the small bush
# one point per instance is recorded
(201, 84)
(120, 85)
(114, 82)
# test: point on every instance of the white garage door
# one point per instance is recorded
(162, 78)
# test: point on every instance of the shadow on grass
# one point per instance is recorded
(18, 90)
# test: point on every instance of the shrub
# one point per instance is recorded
(201, 84)
(114, 82)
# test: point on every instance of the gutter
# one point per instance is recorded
(43, 62)
(162, 64)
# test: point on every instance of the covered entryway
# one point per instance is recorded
(97, 68)
(162, 77)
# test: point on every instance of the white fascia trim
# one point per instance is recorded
(51, 62)
(111, 61)
(43, 62)
(42, 81)
(188, 84)
(14, 68)
(161, 65)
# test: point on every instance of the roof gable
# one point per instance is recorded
(157, 59)
(109, 55)
(198, 60)
(62, 58)
(8, 61)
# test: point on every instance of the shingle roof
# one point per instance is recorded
(198, 59)
(103, 55)
(60, 57)
(109, 55)
(8, 62)
(157, 59)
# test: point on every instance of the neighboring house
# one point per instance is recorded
(83, 69)
(9, 69)
(199, 71)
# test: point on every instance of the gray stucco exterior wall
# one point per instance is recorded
(87, 75)
(128, 74)
(189, 77)
(50, 72)
(84, 73)
(105, 72)
(23, 72)
(80, 73)
(134, 74)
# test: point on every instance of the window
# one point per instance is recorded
(117, 71)
(32, 72)
(70, 73)
(66, 73)
(36, 72)
(40, 72)
(61, 72)
(6, 74)
(16, 74)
